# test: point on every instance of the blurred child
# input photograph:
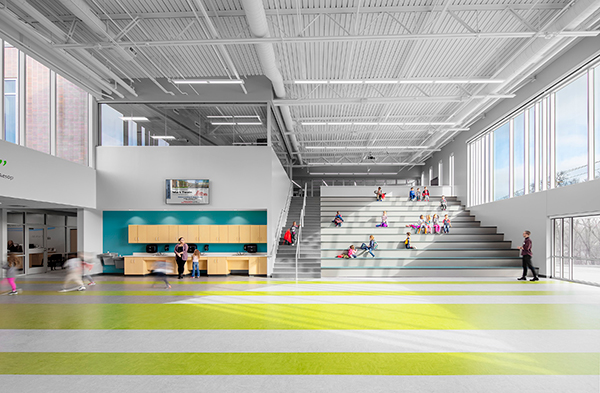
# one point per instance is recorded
(196, 264)
(384, 219)
(351, 252)
(443, 203)
(338, 220)
(421, 224)
(411, 194)
(293, 231)
(425, 194)
(447, 224)
(407, 241)
(87, 261)
(436, 224)
(428, 224)
(379, 195)
(11, 273)
(418, 194)
(74, 273)
(372, 245)
(413, 226)
(161, 268)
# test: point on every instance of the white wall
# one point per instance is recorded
(241, 178)
(45, 178)
(368, 191)
(89, 233)
(533, 212)
(134, 177)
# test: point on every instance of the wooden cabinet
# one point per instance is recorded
(217, 266)
(152, 234)
(262, 234)
(135, 266)
(254, 233)
(214, 234)
(252, 266)
(177, 231)
(233, 235)
(223, 234)
(133, 234)
(193, 234)
(164, 233)
(204, 233)
(262, 265)
(245, 236)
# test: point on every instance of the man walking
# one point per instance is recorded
(526, 253)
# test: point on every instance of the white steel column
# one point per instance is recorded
(490, 169)
(511, 157)
(53, 116)
(93, 130)
(551, 139)
(544, 143)
(526, 151)
(591, 126)
(2, 128)
(269, 124)
(536, 147)
(3, 233)
(22, 75)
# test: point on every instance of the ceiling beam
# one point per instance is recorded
(331, 10)
(385, 100)
(313, 164)
(337, 130)
(334, 38)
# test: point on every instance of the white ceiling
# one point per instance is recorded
(354, 40)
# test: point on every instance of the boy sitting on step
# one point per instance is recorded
(407, 242)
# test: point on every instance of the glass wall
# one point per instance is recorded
(42, 110)
(548, 142)
(576, 248)
(183, 124)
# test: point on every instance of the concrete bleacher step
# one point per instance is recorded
(429, 253)
(387, 198)
(408, 215)
(396, 224)
(375, 218)
(350, 204)
(348, 238)
(424, 245)
(401, 231)
(425, 271)
(421, 209)
(378, 262)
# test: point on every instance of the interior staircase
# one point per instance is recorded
(468, 250)
(309, 261)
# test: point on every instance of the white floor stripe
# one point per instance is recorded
(389, 341)
(529, 299)
(308, 383)
(429, 287)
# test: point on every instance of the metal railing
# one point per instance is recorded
(299, 237)
(281, 221)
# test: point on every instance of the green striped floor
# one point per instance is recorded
(233, 333)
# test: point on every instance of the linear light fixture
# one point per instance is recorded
(367, 147)
(351, 173)
(134, 118)
(162, 137)
(208, 81)
(246, 123)
(402, 81)
(219, 117)
(376, 124)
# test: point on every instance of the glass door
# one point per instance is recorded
(36, 253)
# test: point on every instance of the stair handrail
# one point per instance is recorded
(299, 237)
(281, 221)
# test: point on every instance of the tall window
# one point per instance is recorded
(11, 84)
(519, 155)
(572, 133)
(576, 248)
(37, 106)
(597, 118)
(112, 126)
(501, 164)
(72, 114)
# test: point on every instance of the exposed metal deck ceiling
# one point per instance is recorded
(412, 42)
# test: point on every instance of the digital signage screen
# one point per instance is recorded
(187, 192)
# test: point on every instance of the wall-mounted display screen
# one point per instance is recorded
(187, 192)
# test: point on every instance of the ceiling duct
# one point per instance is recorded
(257, 20)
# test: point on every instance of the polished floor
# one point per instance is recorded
(233, 334)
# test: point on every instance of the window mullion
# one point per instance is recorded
(21, 99)
(552, 136)
(511, 157)
(526, 153)
(591, 126)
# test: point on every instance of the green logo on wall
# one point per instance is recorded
(3, 163)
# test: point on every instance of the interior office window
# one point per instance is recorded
(11, 83)
(132, 133)
(572, 133)
(111, 126)
(37, 106)
(597, 118)
(72, 115)
(531, 149)
(519, 155)
(501, 164)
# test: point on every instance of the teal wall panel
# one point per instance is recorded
(115, 227)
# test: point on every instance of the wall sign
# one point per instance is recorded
(3, 175)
